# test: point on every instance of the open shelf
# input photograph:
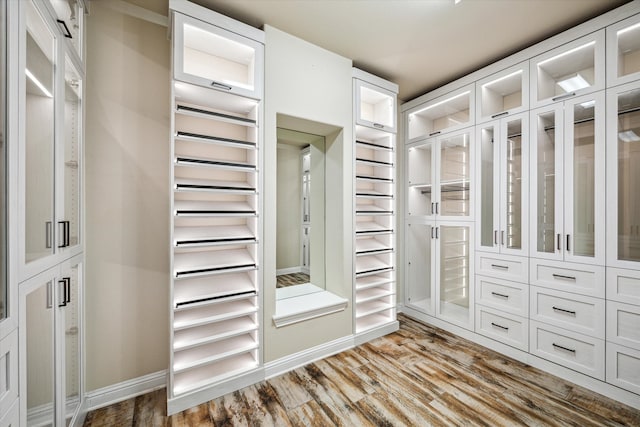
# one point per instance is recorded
(210, 139)
(373, 146)
(368, 209)
(194, 264)
(213, 352)
(371, 265)
(373, 294)
(372, 307)
(236, 187)
(373, 162)
(365, 323)
(200, 112)
(374, 179)
(365, 228)
(372, 281)
(210, 333)
(203, 315)
(209, 289)
(204, 208)
(232, 104)
(373, 194)
(214, 235)
(181, 160)
(370, 246)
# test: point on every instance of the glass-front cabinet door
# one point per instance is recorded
(623, 51)
(502, 176)
(70, 18)
(503, 93)
(454, 301)
(568, 141)
(213, 57)
(69, 286)
(623, 176)
(39, 130)
(375, 106)
(570, 70)
(453, 199)
(421, 267)
(420, 161)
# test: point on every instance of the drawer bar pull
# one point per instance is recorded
(504, 328)
(573, 313)
(561, 276)
(563, 348)
(503, 267)
(500, 295)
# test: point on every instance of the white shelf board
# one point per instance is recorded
(214, 235)
(202, 208)
(368, 227)
(214, 100)
(372, 307)
(208, 185)
(192, 263)
(193, 337)
(304, 307)
(208, 162)
(363, 296)
(213, 352)
(373, 321)
(212, 139)
(372, 194)
(371, 264)
(372, 281)
(366, 133)
(371, 245)
(217, 286)
(199, 316)
(373, 162)
(365, 209)
(373, 145)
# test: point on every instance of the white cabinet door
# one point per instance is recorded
(454, 172)
(488, 184)
(623, 51)
(421, 266)
(623, 176)
(570, 70)
(210, 56)
(503, 94)
(421, 178)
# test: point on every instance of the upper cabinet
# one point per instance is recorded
(573, 69)
(504, 93)
(623, 176)
(623, 51)
(70, 18)
(446, 113)
(213, 57)
(375, 106)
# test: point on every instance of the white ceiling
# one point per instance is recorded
(418, 44)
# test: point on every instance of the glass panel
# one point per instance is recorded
(70, 12)
(4, 310)
(567, 72)
(454, 271)
(218, 58)
(420, 186)
(376, 107)
(448, 113)
(72, 135)
(419, 268)
(629, 176)
(546, 185)
(514, 184)
(72, 344)
(487, 168)
(629, 50)
(39, 137)
(39, 333)
(583, 179)
(454, 175)
(502, 94)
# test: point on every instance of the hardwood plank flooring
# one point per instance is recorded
(417, 376)
(284, 280)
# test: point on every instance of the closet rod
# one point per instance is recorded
(577, 122)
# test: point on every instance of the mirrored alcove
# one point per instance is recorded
(300, 265)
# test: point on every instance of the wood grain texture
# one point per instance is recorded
(417, 376)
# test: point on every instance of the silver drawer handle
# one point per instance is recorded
(562, 310)
(378, 125)
(561, 276)
(499, 326)
(503, 267)
(221, 86)
(565, 96)
(500, 295)
(563, 348)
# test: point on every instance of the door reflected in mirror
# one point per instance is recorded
(300, 266)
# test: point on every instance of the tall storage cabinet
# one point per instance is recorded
(375, 109)
(215, 190)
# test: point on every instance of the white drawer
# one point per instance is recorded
(575, 351)
(571, 277)
(623, 324)
(507, 267)
(623, 285)
(578, 313)
(8, 371)
(623, 367)
(506, 328)
(510, 297)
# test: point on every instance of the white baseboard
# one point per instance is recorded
(125, 390)
(380, 331)
(291, 362)
(290, 270)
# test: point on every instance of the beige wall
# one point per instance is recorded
(127, 197)
(305, 81)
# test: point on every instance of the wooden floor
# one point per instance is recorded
(418, 376)
(284, 280)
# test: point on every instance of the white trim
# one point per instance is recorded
(138, 12)
(290, 270)
(124, 390)
(308, 306)
(294, 361)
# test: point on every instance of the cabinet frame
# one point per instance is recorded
(612, 52)
(523, 69)
(359, 84)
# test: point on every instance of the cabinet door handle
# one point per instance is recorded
(433, 232)
(559, 241)
(434, 133)
(221, 86)
(68, 285)
(504, 113)
(378, 125)
(568, 250)
(562, 276)
(495, 237)
(504, 328)
(437, 233)
(67, 233)
(502, 237)
(66, 32)
(570, 350)
(49, 294)
(64, 234)
(63, 282)
(500, 295)
(563, 310)
(433, 208)
(437, 208)
(565, 96)
(48, 230)
(502, 267)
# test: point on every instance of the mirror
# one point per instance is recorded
(300, 265)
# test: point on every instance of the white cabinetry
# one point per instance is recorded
(503, 94)
(375, 206)
(70, 18)
(215, 239)
(50, 339)
(623, 51)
